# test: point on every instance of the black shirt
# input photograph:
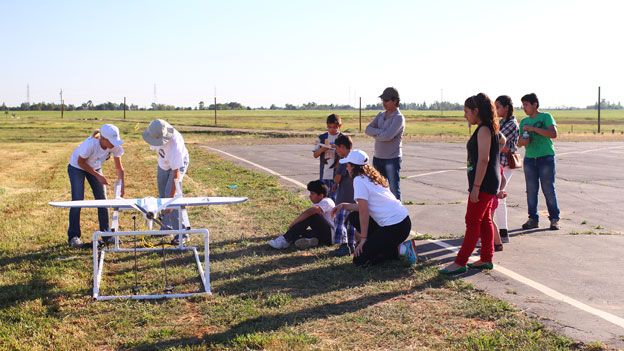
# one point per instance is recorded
(491, 180)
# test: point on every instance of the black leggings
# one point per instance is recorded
(319, 228)
(382, 243)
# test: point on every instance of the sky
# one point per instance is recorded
(268, 52)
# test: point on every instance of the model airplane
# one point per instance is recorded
(150, 207)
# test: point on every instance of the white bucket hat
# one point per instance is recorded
(111, 132)
(356, 157)
(158, 132)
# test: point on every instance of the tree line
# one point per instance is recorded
(111, 106)
(606, 105)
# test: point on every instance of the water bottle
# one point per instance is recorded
(525, 135)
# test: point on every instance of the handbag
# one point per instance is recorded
(514, 160)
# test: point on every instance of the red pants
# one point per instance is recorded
(478, 225)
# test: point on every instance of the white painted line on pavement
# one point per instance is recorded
(296, 182)
(436, 172)
(545, 290)
(511, 274)
(590, 150)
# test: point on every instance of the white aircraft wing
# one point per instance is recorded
(113, 203)
(205, 201)
(128, 203)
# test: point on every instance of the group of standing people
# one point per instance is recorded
(489, 171)
(372, 216)
(358, 205)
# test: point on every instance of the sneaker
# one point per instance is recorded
(554, 224)
(410, 251)
(176, 239)
(342, 250)
(75, 242)
(531, 224)
(279, 243)
(306, 243)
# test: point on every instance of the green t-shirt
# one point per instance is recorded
(539, 145)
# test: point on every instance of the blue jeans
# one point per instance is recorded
(390, 168)
(164, 179)
(76, 180)
(541, 170)
(344, 232)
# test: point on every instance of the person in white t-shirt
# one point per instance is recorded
(86, 163)
(173, 161)
(313, 226)
(381, 222)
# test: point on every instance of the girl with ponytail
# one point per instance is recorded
(483, 168)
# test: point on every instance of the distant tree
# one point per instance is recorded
(201, 105)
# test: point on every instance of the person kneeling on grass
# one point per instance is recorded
(313, 226)
(381, 222)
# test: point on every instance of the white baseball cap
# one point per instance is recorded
(157, 132)
(111, 132)
(356, 157)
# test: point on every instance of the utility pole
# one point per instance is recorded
(441, 99)
(599, 109)
(360, 114)
(124, 107)
(215, 104)
(62, 103)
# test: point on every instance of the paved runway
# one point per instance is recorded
(581, 262)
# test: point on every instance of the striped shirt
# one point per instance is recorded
(509, 128)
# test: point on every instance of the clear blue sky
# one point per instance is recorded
(264, 52)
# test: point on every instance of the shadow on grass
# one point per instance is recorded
(308, 282)
(39, 285)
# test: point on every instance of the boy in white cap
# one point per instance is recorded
(86, 162)
(173, 161)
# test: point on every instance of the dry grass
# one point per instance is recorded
(262, 299)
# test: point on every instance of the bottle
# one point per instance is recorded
(525, 135)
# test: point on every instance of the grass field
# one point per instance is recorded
(578, 123)
(262, 299)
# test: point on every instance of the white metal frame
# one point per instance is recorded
(184, 228)
(98, 260)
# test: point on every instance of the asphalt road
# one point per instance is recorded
(570, 278)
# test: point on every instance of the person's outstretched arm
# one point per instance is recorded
(364, 218)
(120, 174)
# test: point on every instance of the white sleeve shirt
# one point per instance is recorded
(92, 151)
(327, 205)
(173, 153)
(383, 206)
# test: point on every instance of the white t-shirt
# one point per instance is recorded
(328, 155)
(95, 155)
(327, 205)
(383, 207)
(173, 153)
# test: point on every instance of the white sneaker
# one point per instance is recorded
(279, 243)
(75, 242)
(306, 243)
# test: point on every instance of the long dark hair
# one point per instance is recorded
(505, 101)
(486, 111)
